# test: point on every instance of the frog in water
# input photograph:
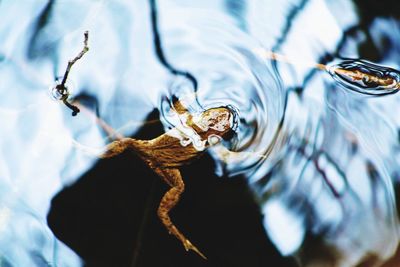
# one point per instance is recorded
(166, 153)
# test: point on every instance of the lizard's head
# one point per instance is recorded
(218, 121)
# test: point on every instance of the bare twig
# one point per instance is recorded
(79, 56)
(62, 90)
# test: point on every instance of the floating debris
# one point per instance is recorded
(60, 90)
(365, 77)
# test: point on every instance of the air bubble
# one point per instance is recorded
(214, 139)
(59, 92)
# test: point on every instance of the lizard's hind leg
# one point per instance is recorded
(116, 147)
(169, 200)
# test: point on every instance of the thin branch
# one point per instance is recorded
(79, 56)
(62, 90)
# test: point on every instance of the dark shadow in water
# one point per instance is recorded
(237, 9)
(368, 10)
(296, 10)
(158, 47)
(104, 213)
(38, 47)
(316, 252)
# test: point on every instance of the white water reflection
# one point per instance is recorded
(332, 154)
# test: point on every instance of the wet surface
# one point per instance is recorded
(109, 217)
(315, 154)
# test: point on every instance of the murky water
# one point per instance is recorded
(318, 147)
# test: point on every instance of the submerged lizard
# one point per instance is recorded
(166, 153)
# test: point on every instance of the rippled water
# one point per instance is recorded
(365, 77)
(317, 146)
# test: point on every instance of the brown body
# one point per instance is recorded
(165, 154)
(357, 75)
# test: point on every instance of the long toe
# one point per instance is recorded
(188, 245)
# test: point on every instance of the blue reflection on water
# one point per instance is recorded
(320, 160)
